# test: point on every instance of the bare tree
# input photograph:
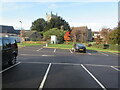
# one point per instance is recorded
(105, 34)
(79, 34)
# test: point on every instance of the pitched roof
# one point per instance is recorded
(80, 28)
(6, 29)
(29, 33)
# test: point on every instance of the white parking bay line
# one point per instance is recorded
(39, 49)
(93, 77)
(55, 50)
(45, 77)
(116, 54)
(89, 53)
(10, 67)
(104, 54)
(115, 68)
(70, 51)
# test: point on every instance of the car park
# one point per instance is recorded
(9, 49)
(79, 47)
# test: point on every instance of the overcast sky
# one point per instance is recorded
(92, 13)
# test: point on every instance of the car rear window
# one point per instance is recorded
(0, 44)
(6, 43)
(80, 45)
(12, 40)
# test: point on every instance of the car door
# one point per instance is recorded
(0, 52)
(6, 51)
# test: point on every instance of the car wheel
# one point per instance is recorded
(84, 51)
(13, 60)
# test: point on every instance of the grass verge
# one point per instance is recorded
(28, 44)
(69, 46)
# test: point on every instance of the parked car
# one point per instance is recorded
(79, 47)
(9, 49)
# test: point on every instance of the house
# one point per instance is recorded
(119, 24)
(95, 34)
(81, 34)
(89, 35)
(31, 36)
(8, 31)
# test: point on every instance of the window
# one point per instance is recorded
(6, 43)
(0, 44)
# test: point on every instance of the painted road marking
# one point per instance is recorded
(70, 51)
(45, 77)
(71, 64)
(10, 67)
(116, 54)
(34, 55)
(104, 54)
(103, 87)
(47, 55)
(98, 65)
(89, 53)
(115, 68)
(55, 50)
(39, 49)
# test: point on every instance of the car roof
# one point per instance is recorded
(6, 37)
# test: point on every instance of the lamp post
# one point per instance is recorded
(21, 31)
(21, 24)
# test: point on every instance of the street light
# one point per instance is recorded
(21, 31)
(21, 24)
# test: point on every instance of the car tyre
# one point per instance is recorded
(13, 60)
(84, 51)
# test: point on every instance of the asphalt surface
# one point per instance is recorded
(38, 68)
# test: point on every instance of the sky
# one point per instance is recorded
(94, 14)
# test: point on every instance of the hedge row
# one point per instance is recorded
(41, 42)
(111, 46)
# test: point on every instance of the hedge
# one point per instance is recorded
(111, 46)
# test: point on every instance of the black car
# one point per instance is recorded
(9, 49)
(79, 47)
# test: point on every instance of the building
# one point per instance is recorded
(89, 35)
(50, 16)
(119, 24)
(95, 34)
(31, 36)
(8, 31)
(81, 34)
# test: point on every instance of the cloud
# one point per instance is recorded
(26, 24)
(60, 0)
(53, 6)
(14, 6)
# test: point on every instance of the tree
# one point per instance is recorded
(67, 37)
(38, 25)
(54, 31)
(57, 22)
(98, 39)
(78, 35)
(105, 34)
(114, 36)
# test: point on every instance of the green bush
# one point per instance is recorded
(111, 46)
(114, 47)
(98, 46)
(59, 33)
